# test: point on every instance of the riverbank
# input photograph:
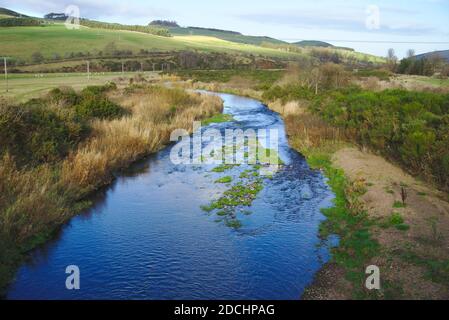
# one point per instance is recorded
(93, 135)
(383, 215)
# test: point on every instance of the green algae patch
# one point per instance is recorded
(219, 118)
(240, 195)
(224, 167)
(227, 179)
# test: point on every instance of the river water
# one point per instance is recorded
(147, 238)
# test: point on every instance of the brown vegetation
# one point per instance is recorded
(35, 201)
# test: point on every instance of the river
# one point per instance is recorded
(146, 236)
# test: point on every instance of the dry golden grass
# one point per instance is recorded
(35, 202)
(289, 108)
(29, 200)
(310, 131)
(155, 113)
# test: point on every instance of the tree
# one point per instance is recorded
(332, 75)
(37, 57)
(164, 23)
(392, 60)
(435, 64)
(56, 16)
(410, 53)
(110, 49)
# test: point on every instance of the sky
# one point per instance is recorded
(367, 26)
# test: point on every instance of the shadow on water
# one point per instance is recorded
(145, 237)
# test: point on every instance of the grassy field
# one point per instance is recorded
(359, 56)
(224, 35)
(414, 82)
(22, 42)
(26, 86)
(428, 80)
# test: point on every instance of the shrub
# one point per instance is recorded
(37, 57)
(94, 106)
(287, 93)
(33, 134)
(98, 90)
(64, 96)
(93, 103)
(408, 127)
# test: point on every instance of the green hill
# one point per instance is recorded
(56, 39)
(444, 54)
(227, 35)
(30, 40)
(224, 35)
(313, 43)
(6, 13)
(319, 44)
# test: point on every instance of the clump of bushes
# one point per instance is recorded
(46, 130)
(93, 106)
(411, 128)
(287, 93)
(20, 22)
(91, 103)
(63, 97)
(33, 133)
(408, 127)
(381, 74)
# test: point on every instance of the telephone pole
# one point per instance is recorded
(88, 70)
(6, 73)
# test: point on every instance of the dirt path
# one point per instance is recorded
(414, 259)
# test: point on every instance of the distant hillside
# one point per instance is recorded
(443, 54)
(55, 40)
(320, 44)
(312, 43)
(10, 18)
(6, 13)
(37, 40)
(227, 35)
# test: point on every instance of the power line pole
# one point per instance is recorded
(6, 73)
(88, 70)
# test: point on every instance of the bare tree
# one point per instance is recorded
(391, 59)
(435, 64)
(411, 53)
